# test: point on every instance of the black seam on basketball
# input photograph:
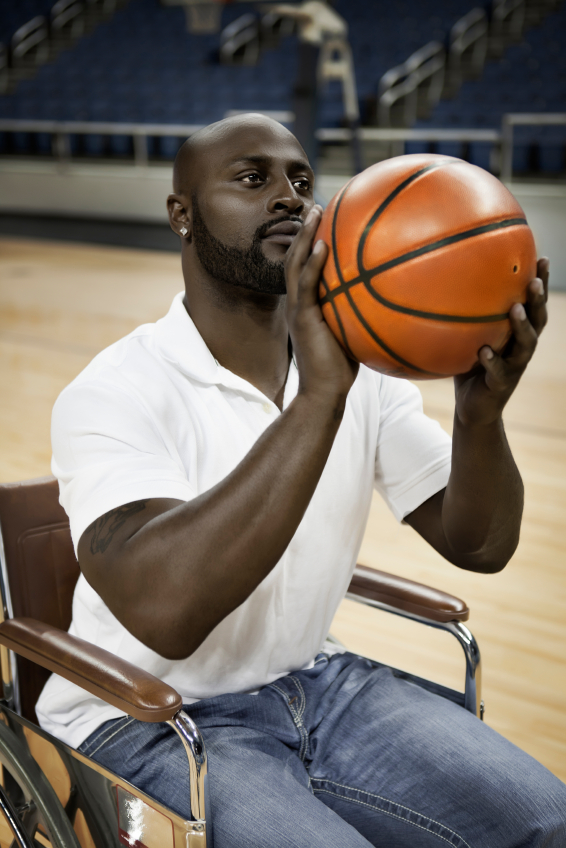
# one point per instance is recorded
(396, 191)
(382, 344)
(436, 245)
(366, 276)
(333, 236)
(338, 320)
(344, 286)
(338, 268)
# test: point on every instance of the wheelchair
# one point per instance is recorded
(50, 794)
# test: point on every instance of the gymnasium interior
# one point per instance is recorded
(96, 97)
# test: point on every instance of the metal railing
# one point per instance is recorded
(551, 119)
(397, 136)
(406, 134)
(467, 51)
(412, 90)
(61, 132)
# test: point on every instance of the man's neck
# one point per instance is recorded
(246, 332)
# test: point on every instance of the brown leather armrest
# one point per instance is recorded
(406, 595)
(116, 681)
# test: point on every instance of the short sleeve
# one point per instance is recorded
(108, 451)
(413, 452)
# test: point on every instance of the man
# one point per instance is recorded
(217, 468)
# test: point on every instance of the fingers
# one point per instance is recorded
(501, 376)
(525, 334)
(310, 276)
(299, 252)
(537, 294)
(495, 370)
(543, 273)
(528, 321)
(303, 266)
(503, 373)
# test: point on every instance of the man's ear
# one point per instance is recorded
(179, 216)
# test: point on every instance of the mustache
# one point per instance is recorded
(261, 231)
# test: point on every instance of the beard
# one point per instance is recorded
(247, 269)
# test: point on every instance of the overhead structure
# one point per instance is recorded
(324, 55)
(203, 16)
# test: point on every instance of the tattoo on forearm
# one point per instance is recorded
(104, 528)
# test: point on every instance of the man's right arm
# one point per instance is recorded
(172, 571)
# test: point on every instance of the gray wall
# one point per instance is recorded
(139, 194)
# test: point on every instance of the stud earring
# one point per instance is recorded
(184, 231)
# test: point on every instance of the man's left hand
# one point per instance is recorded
(482, 393)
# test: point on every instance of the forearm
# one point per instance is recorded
(186, 569)
(483, 502)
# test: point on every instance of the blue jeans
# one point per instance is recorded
(345, 754)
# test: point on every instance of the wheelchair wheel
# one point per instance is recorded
(31, 810)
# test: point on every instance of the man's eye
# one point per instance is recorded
(252, 178)
(303, 184)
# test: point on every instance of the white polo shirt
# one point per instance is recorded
(155, 416)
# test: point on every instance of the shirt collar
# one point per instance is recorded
(181, 344)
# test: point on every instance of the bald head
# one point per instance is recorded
(234, 181)
(201, 150)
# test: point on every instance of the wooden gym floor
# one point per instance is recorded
(60, 304)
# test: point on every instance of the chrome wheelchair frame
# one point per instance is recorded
(54, 796)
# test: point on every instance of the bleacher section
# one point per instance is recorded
(143, 66)
(530, 77)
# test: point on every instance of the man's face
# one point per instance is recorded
(255, 191)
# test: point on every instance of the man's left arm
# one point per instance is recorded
(475, 521)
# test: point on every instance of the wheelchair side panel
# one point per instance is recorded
(104, 810)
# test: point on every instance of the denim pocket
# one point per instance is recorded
(103, 734)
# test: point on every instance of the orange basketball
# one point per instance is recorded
(427, 254)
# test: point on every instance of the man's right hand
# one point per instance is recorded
(325, 371)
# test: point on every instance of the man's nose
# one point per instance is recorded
(285, 198)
